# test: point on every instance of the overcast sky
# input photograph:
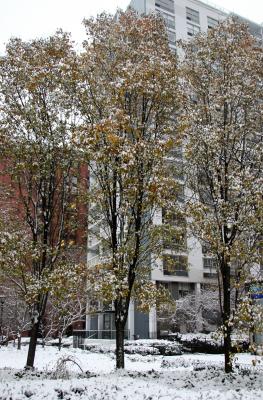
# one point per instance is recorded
(34, 18)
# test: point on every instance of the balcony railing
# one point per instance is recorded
(81, 336)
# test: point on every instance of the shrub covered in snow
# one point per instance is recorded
(158, 347)
(211, 343)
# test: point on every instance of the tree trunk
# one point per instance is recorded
(59, 341)
(226, 317)
(119, 345)
(18, 341)
(32, 345)
(227, 350)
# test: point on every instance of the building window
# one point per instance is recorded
(107, 322)
(175, 168)
(175, 265)
(206, 249)
(171, 37)
(94, 250)
(179, 170)
(204, 181)
(194, 98)
(180, 193)
(177, 192)
(212, 23)
(167, 5)
(172, 218)
(176, 152)
(183, 293)
(169, 20)
(192, 29)
(176, 231)
(209, 263)
(210, 275)
(192, 15)
(94, 306)
(177, 242)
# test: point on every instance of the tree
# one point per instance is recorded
(67, 301)
(16, 317)
(13, 242)
(128, 100)
(222, 79)
(197, 312)
(38, 117)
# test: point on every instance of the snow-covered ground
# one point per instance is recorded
(92, 376)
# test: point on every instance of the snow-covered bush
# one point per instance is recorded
(60, 370)
(158, 347)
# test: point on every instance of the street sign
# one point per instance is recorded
(256, 290)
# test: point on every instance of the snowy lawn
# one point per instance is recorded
(187, 377)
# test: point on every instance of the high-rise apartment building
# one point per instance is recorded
(185, 18)
(193, 266)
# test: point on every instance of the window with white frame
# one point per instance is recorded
(192, 15)
(172, 218)
(169, 20)
(176, 152)
(206, 249)
(209, 263)
(192, 29)
(177, 242)
(210, 275)
(180, 197)
(171, 37)
(175, 265)
(167, 5)
(212, 23)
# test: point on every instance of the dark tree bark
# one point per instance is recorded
(37, 320)
(120, 326)
(32, 345)
(59, 341)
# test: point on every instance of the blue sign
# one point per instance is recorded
(256, 291)
(257, 296)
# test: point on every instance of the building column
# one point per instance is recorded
(131, 320)
(100, 326)
(198, 288)
(153, 323)
(88, 322)
(199, 319)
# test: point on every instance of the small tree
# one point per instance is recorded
(13, 252)
(198, 312)
(222, 78)
(38, 116)
(16, 316)
(128, 98)
(67, 301)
